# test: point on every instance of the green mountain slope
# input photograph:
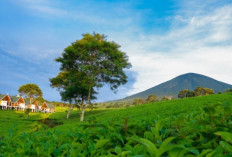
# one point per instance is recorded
(186, 81)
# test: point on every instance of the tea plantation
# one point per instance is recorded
(199, 126)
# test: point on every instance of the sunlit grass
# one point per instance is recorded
(17, 119)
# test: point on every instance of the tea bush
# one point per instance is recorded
(202, 131)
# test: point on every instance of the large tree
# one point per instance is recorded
(98, 60)
(30, 90)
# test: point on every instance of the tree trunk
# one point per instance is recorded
(82, 113)
(69, 110)
(85, 106)
(30, 99)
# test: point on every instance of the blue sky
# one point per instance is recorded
(163, 39)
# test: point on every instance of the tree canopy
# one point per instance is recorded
(228, 90)
(186, 93)
(152, 98)
(71, 89)
(138, 101)
(30, 90)
(197, 92)
(203, 91)
(87, 64)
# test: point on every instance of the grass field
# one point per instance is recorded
(125, 132)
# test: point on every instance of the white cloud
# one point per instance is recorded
(199, 39)
(156, 68)
(94, 13)
(199, 43)
(42, 6)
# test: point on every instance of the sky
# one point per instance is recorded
(163, 39)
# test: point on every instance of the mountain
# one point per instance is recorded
(186, 81)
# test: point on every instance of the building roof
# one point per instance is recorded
(50, 105)
(27, 101)
(1, 96)
(33, 102)
(14, 98)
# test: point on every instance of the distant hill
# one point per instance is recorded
(186, 81)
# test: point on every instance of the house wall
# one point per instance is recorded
(7, 99)
(3, 103)
(15, 104)
(33, 107)
(22, 105)
(36, 104)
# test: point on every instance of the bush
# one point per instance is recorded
(204, 134)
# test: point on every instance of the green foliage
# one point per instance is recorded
(228, 90)
(88, 64)
(199, 91)
(152, 149)
(40, 100)
(99, 60)
(152, 98)
(186, 93)
(30, 90)
(138, 101)
(27, 111)
(164, 98)
(199, 126)
(72, 89)
(203, 91)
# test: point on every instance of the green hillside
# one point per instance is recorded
(186, 81)
(183, 127)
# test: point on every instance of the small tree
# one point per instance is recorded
(191, 94)
(164, 98)
(183, 93)
(228, 90)
(152, 98)
(71, 89)
(27, 111)
(31, 91)
(199, 91)
(186, 93)
(138, 101)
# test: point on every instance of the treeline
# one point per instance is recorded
(135, 102)
(199, 91)
(63, 104)
(60, 104)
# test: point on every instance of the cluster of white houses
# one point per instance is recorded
(18, 103)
